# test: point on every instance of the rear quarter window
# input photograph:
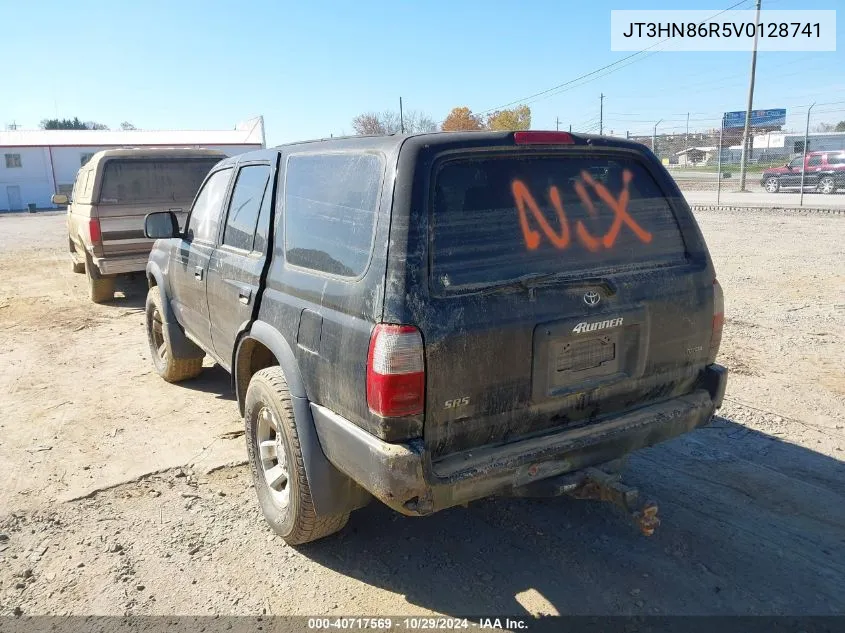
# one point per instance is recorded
(499, 218)
(331, 201)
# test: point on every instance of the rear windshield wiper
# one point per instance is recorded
(529, 282)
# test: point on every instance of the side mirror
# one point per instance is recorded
(788, 166)
(161, 225)
(59, 199)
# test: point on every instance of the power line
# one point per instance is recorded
(632, 56)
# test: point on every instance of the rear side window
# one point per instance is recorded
(244, 206)
(498, 218)
(836, 159)
(89, 185)
(79, 185)
(331, 201)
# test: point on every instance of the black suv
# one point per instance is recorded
(436, 318)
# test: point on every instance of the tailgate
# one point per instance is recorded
(561, 291)
(122, 226)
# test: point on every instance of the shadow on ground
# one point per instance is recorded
(751, 525)
(214, 380)
(130, 292)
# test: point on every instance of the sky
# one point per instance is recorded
(310, 67)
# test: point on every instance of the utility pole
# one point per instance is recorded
(654, 138)
(601, 114)
(719, 168)
(686, 138)
(745, 134)
(401, 117)
(804, 162)
(557, 123)
(570, 128)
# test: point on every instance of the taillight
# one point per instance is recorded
(395, 371)
(94, 231)
(718, 321)
(539, 137)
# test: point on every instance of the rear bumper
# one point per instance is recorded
(122, 264)
(401, 475)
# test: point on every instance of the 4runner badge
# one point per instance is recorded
(598, 325)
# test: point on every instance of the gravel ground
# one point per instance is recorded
(120, 494)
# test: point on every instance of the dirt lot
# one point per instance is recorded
(122, 494)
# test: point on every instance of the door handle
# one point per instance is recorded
(198, 273)
(244, 295)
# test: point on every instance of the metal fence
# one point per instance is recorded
(795, 166)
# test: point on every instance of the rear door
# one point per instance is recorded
(814, 167)
(234, 272)
(561, 290)
(132, 187)
(189, 264)
(792, 177)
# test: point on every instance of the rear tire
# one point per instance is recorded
(168, 366)
(772, 184)
(100, 289)
(827, 185)
(275, 457)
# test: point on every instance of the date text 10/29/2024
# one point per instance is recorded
(417, 624)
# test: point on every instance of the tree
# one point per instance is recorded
(126, 125)
(389, 122)
(71, 124)
(460, 119)
(518, 118)
(368, 123)
(823, 127)
(840, 127)
(63, 124)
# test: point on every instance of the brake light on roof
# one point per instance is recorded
(94, 231)
(539, 137)
(395, 371)
(718, 321)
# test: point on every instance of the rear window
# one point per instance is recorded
(147, 181)
(331, 202)
(496, 219)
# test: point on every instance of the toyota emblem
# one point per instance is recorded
(592, 298)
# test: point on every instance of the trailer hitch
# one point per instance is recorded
(601, 486)
(598, 485)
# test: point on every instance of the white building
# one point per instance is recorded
(35, 164)
(789, 144)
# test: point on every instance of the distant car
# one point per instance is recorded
(433, 319)
(823, 171)
(112, 194)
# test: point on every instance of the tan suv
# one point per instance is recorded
(113, 193)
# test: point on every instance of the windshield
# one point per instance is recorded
(153, 181)
(499, 218)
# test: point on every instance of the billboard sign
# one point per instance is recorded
(759, 118)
